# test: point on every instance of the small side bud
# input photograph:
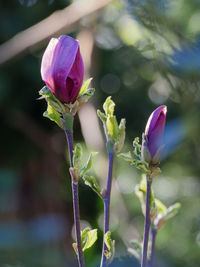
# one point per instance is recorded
(103, 193)
(154, 172)
(74, 245)
(153, 213)
(73, 175)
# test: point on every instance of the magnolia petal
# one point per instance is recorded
(62, 68)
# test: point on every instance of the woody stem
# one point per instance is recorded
(80, 255)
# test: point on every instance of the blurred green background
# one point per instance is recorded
(142, 53)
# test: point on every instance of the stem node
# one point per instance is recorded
(73, 175)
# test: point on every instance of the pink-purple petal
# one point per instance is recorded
(62, 68)
(76, 74)
(155, 129)
(153, 118)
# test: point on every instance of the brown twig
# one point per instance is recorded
(57, 23)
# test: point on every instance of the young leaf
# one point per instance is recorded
(161, 208)
(85, 86)
(46, 93)
(137, 148)
(122, 133)
(112, 127)
(85, 96)
(142, 166)
(88, 238)
(53, 115)
(126, 156)
(109, 106)
(172, 211)
(110, 244)
(101, 115)
(88, 164)
(91, 181)
(77, 158)
(135, 158)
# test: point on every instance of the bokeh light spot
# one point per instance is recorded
(110, 83)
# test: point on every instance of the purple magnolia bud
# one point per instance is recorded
(62, 68)
(153, 136)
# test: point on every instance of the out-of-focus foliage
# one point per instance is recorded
(146, 53)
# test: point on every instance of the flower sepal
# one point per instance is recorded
(84, 95)
(145, 153)
(157, 156)
(46, 94)
(61, 113)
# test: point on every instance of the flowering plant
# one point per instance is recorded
(62, 70)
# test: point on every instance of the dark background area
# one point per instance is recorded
(145, 53)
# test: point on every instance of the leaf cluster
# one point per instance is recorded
(81, 170)
(135, 159)
(62, 113)
(115, 134)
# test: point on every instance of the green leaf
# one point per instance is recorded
(85, 96)
(161, 208)
(46, 93)
(122, 133)
(85, 86)
(110, 244)
(109, 106)
(142, 166)
(112, 127)
(135, 158)
(88, 164)
(126, 156)
(172, 211)
(101, 115)
(137, 148)
(53, 115)
(88, 238)
(77, 154)
(115, 134)
(91, 181)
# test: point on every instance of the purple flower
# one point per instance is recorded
(153, 135)
(62, 68)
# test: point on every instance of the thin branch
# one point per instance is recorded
(147, 224)
(59, 22)
(81, 260)
(107, 207)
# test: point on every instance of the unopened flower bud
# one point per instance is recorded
(62, 68)
(152, 143)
